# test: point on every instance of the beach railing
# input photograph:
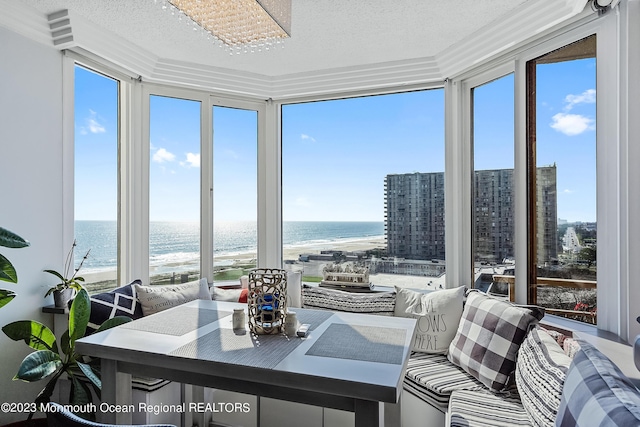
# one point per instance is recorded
(580, 313)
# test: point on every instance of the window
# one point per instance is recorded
(96, 177)
(235, 192)
(562, 180)
(493, 178)
(174, 190)
(363, 181)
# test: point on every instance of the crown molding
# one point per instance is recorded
(215, 79)
(408, 72)
(73, 32)
(64, 30)
(26, 21)
(522, 24)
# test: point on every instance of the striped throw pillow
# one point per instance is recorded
(540, 372)
(381, 303)
(489, 336)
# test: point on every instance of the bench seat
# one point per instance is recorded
(432, 378)
(481, 408)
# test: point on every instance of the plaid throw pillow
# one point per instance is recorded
(596, 393)
(489, 336)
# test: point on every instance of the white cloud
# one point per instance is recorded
(92, 125)
(572, 124)
(586, 97)
(307, 137)
(567, 191)
(193, 161)
(162, 156)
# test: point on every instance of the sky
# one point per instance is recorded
(335, 154)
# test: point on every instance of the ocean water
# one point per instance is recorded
(174, 244)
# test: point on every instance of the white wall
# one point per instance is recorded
(31, 194)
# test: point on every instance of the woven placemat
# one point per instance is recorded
(244, 348)
(239, 348)
(178, 321)
(314, 318)
(357, 342)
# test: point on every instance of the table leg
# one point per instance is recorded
(367, 413)
(116, 394)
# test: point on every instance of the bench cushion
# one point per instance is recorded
(540, 373)
(597, 393)
(485, 409)
(489, 336)
(381, 303)
(432, 378)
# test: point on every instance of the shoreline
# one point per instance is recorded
(290, 252)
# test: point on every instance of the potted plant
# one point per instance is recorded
(7, 271)
(63, 291)
(52, 359)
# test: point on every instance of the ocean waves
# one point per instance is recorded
(175, 246)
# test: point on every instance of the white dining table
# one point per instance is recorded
(347, 361)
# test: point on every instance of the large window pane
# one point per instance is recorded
(363, 181)
(96, 178)
(235, 192)
(562, 180)
(493, 208)
(174, 190)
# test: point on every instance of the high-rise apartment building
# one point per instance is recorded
(415, 215)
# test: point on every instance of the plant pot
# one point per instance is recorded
(61, 298)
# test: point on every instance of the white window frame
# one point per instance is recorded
(613, 179)
(274, 136)
(126, 83)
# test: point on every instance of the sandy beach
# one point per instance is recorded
(291, 253)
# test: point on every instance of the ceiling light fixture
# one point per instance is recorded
(240, 25)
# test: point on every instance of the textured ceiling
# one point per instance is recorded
(326, 34)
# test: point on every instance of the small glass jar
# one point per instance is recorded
(291, 324)
(238, 318)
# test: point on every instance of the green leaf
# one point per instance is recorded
(7, 271)
(55, 273)
(88, 371)
(111, 323)
(75, 285)
(6, 296)
(34, 334)
(80, 392)
(79, 316)
(65, 344)
(11, 240)
(38, 365)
